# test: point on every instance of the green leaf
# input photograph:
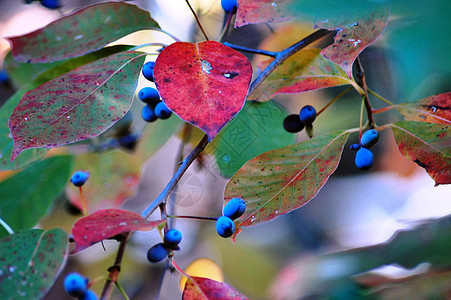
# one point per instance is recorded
(246, 136)
(82, 32)
(279, 181)
(306, 70)
(78, 105)
(428, 145)
(27, 196)
(31, 261)
(432, 109)
(6, 142)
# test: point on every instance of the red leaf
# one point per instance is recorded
(433, 109)
(78, 105)
(279, 181)
(199, 288)
(251, 11)
(107, 223)
(84, 31)
(428, 145)
(205, 84)
(355, 33)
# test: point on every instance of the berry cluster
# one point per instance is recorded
(171, 241)
(234, 209)
(77, 286)
(155, 108)
(364, 158)
(295, 123)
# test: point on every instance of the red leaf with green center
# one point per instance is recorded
(428, 145)
(199, 288)
(107, 223)
(78, 105)
(31, 261)
(252, 12)
(433, 109)
(279, 181)
(306, 70)
(84, 31)
(205, 84)
(355, 33)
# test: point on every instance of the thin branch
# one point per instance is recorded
(380, 97)
(333, 100)
(250, 50)
(226, 27)
(360, 79)
(284, 54)
(175, 179)
(115, 269)
(194, 217)
(197, 20)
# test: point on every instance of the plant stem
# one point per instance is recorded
(361, 117)
(6, 226)
(333, 100)
(250, 50)
(175, 179)
(83, 202)
(124, 294)
(197, 20)
(383, 109)
(380, 97)
(194, 217)
(362, 83)
(226, 27)
(284, 54)
(115, 269)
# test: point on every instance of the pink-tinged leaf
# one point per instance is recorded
(31, 261)
(428, 145)
(199, 288)
(84, 31)
(304, 71)
(78, 105)
(107, 223)
(279, 181)
(433, 109)
(205, 84)
(355, 33)
(252, 12)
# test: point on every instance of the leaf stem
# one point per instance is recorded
(197, 20)
(284, 54)
(361, 116)
(175, 179)
(360, 74)
(250, 50)
(380, 97)
(83, 202)
(333, 100)
(6, 226)
(383, 109)
(194, 217)
(226, 27)
(124, 294)
(167, 33)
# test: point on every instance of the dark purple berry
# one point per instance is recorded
(162, 111)
(148, 70)
(75, 285)
(225, 227)
(157, 252)
(369, 138)
(79, 178)
(229, 5)
(51, 4)
(149, 96)
(307, 114)
(354, 147)
(293, 124)
(364, 159)
(148, 114)
(235, 208)
(172, 239)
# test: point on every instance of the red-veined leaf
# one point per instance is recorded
(31, 261)
(199, 288)
(355, 33)
(205, 84)
(433, 109)
(279, 181)
(84, 31)
(304, 71)
(428, 145)
(78, 105)
(106, 223)
(251, 12)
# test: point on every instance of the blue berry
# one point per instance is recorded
(162, 111)
(307, 114)
(369, 138)
(89, 295)
(229, 5)
(4, 77)
(172, 239)
(128, 141)
(79, 178)
(148, 70)
(157, 252)
(149, 96)
(51, 4)
(293, 124)
(234, 208)
(148, 114)
(364, 159)
(225, 227)
(354, 147)
(75, 285)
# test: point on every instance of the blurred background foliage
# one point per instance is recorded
(341, 245)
